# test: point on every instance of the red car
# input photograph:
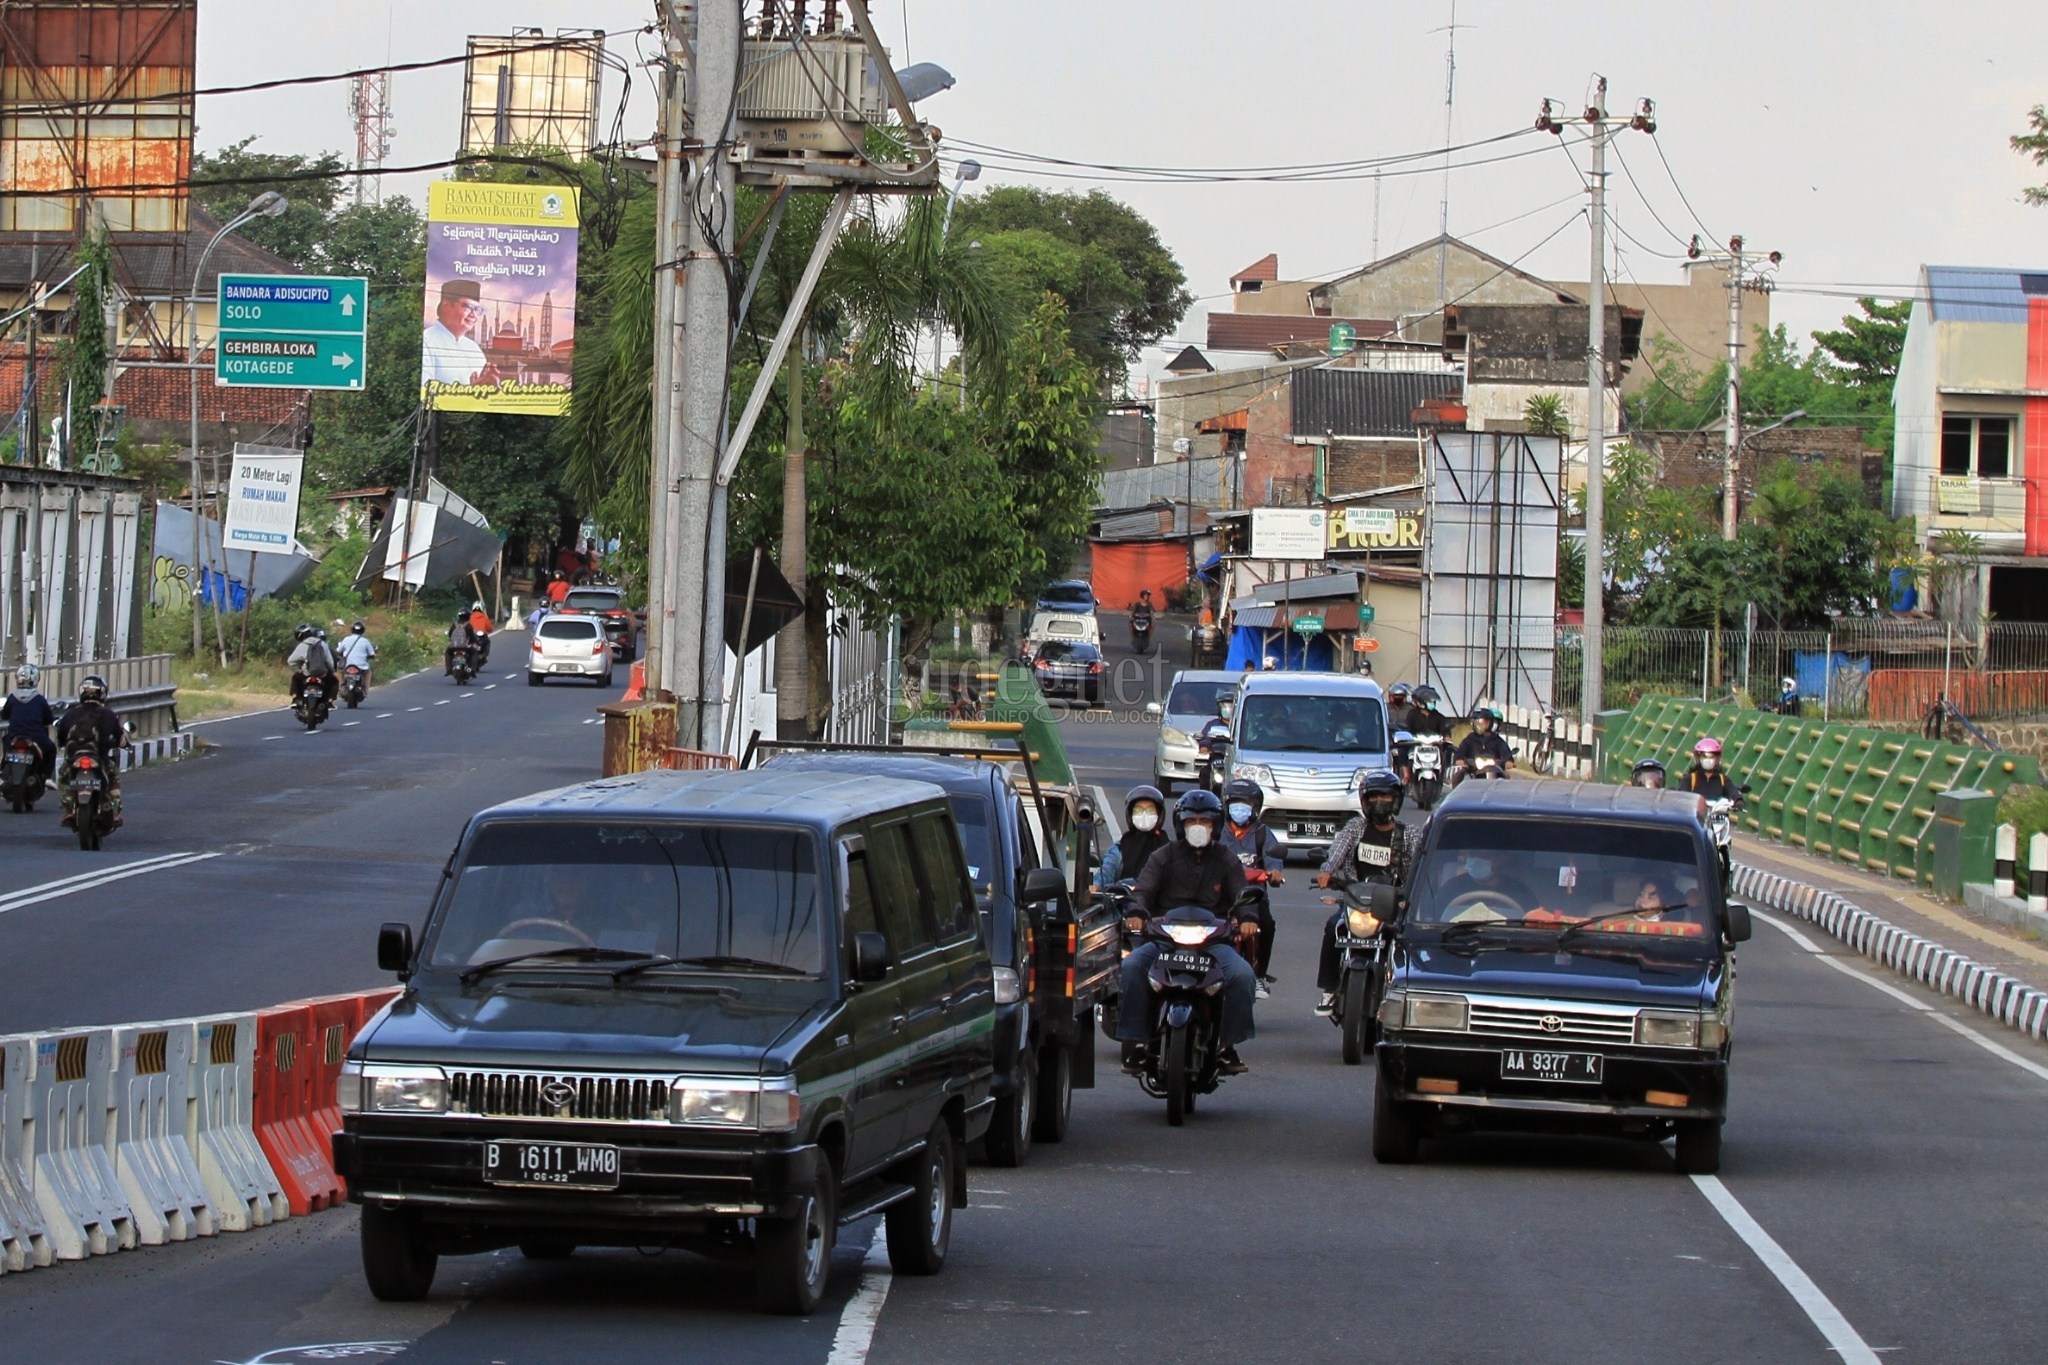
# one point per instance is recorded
(621, 622)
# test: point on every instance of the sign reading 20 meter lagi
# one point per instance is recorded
(501, 298)
(290, 331)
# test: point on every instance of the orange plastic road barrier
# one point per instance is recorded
(336, 1019)
(636, 682)
(286, 1049)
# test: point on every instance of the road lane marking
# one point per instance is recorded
(385, 715)
(410, 709)
(489, 686)
(239, 715)
(1842, 1338)
(345, 724)
(85, 881)
(857, 1320)
(443, 702)
(471, 694)
(1920, 1006)
(268, 737)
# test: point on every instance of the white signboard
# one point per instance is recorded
(1289, 533)
(263, 502)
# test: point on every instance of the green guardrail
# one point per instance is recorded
(1017, 698)
(1846, 792)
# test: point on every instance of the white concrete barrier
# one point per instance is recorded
(24, 1244)
(240, 1185)
(76, 1188)
(153, 1097)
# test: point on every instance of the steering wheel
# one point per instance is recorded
(1479, 905)
(586, 940)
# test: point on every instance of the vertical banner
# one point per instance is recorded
(263, 502)
(501, 298)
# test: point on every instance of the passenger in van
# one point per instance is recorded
(1477, 872)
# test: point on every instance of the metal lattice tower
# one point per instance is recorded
(369, 104)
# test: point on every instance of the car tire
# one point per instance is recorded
(533, 680)
(398, 1263)
(1055, 1094)
(1699, 1147)
(793, 1256)
(1015, 1119)
(920, 1228)
(1395, 1141)
(1165, 784)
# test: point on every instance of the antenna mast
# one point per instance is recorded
(1443, 219)
(369, 104)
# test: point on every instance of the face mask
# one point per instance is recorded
(1145, 819)
(1240, 813)
(1379, 812)
(1198, 836)
(1707, 762)
(1479, 868)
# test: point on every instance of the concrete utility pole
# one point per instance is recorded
(1602, 125)
(1745, 271)
(668, 237)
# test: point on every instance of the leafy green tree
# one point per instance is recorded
(1864, 353)
(2034, 145)
(1038, 421)
(236, 174)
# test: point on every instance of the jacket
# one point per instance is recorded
(1255, 846)
(1715, 786)
(28, 714)
(1180, 875)
(95, 720)
(1402, 843)
(1490, 744)
(312, 658)
(1127, 856)
(355, 649)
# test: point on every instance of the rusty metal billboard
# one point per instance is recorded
(95, 102)
(529, 90)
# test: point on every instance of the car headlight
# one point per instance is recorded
(1254, 772)
(389, 1088)
(1667, 1028)
(1189, 935)
(1713, 1033)
(1364, 923)
(1357, 779)
(1447, 1013)
(348, 1088)
(1180, 739)
(1008, 988)
(702, 1105)
(1393, 1009)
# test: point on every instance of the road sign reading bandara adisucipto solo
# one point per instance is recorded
(291, 331)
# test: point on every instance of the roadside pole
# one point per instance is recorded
(667, 238)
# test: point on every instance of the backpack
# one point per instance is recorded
(319, 659)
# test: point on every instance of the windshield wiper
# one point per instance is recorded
(715, 961)
(572, 954)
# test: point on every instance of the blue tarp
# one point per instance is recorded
(1811, 671)
(1249, 647)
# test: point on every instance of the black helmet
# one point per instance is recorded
(1487, 714)
(304, 632)
(460, 617)
(1196, 803)
(1244, 789)
(1399, 690)
(1381, 782)
(93, 688)
(357, 628)
(1143, 793)
(1424, 695)
(1647, 772)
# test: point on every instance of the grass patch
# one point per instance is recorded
(2028, 811)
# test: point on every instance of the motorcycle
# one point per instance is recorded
(1426, 762)
(1484, 766)
(1361, 950)
(355, 685)
(21, 774)
(1186, 1051)
(92, 806)
(1213, 739)
(1141, 635)
(462, 663)
(1721, 825)
(311, 706)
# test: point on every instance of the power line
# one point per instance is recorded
(1351, 163)
(1057, 168)
(1673, 177)
(291, 177)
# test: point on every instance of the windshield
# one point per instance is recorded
(587, 600)
(1079, 593)
(568, 630)
(1196, 698)
(661, 888)
(1324, 725)
(1556, 873)
(1063, 651)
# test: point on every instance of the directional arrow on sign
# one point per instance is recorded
(348, 305)
(344, 360)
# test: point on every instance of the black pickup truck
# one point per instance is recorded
(1052, 940)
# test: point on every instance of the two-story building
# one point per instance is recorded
(1971, 413)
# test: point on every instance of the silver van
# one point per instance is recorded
(1190, 704)
(1308, 740)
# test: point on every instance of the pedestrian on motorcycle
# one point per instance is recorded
(1264, 858)
(1648, 772)
(90, 719)
(461, 635)
(1144, 813)
(311, 660)
(1706, 777)
(1141, 619)
(480, 626)
(1192, 871)
(1484, 742)
(1374, 846)
(1788, 697)
(1423, 718)
(28, 714)
(355, 649)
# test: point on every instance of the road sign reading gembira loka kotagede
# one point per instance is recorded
(291, 331)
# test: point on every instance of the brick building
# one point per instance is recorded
(1698, 459)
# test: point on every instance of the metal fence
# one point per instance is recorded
(1883, 670)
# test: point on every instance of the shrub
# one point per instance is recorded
(2028, 811)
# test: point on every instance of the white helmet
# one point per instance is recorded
(27, 676)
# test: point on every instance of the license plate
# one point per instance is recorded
(1185, 962)
(1311, 829)
(568, 668)
(1575, 1068)
(560, 1165)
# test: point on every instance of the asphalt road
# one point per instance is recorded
(1881, 1157)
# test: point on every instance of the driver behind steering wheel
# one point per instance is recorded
(1478, 875)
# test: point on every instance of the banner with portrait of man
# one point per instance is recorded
(500, 330)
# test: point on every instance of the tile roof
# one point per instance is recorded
(1267, 267)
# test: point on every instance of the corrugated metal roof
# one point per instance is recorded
(1177, 481)
(1968, 293)
(1259, 331)
(1343, 402)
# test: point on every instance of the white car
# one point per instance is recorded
(1190, 704)
(1070, 627)
(569, 647)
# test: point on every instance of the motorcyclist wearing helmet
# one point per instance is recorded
(1706, 777)
(1423, 718)
(312, 660)
(90, 719)
(1484, 742)
(480, 626)
(1144, 814)
(1373, 847)
(461, 635)
(355, 648)
(1647, 772)
(1264, 858)
(1194, 870)
(1788, 697)
(28, 713)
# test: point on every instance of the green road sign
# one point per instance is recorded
(291, 331)
(1343, 337)
(1365, 614)
(1308, 625)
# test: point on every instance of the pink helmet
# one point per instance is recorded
(1708, 745)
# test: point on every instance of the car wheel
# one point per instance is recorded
(1165, 784)
(920, 1228)
(397, 1261)
(533, 679)
(1394, 1139)
(1015, 1119)
(793, 1256)
(1699, 1146)
(1055, 1094)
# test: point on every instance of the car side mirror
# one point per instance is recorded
(394, 947)
(1042, 884)
(1153, 708)
(1384, 901)
(1738, 927)
(870, 957)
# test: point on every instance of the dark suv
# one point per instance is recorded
(727, 1011)
(1565, 963)
(621, 622)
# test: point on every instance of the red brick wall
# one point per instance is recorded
(1277, 472)
(1358, 466)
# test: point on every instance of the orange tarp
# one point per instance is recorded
(1124, 567)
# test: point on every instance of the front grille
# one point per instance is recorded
(1554, 1020)
(1333, 780)
(548, 1095)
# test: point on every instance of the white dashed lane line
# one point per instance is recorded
(269, 737)
(489, 686)
(385, 715)
(443, 702)
(411, 709)
(347, 723)
(469, 694)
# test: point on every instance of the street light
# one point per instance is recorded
(268, 204)
(968, 170)
(1730, 514)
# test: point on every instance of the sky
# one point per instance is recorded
(1860, 138)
